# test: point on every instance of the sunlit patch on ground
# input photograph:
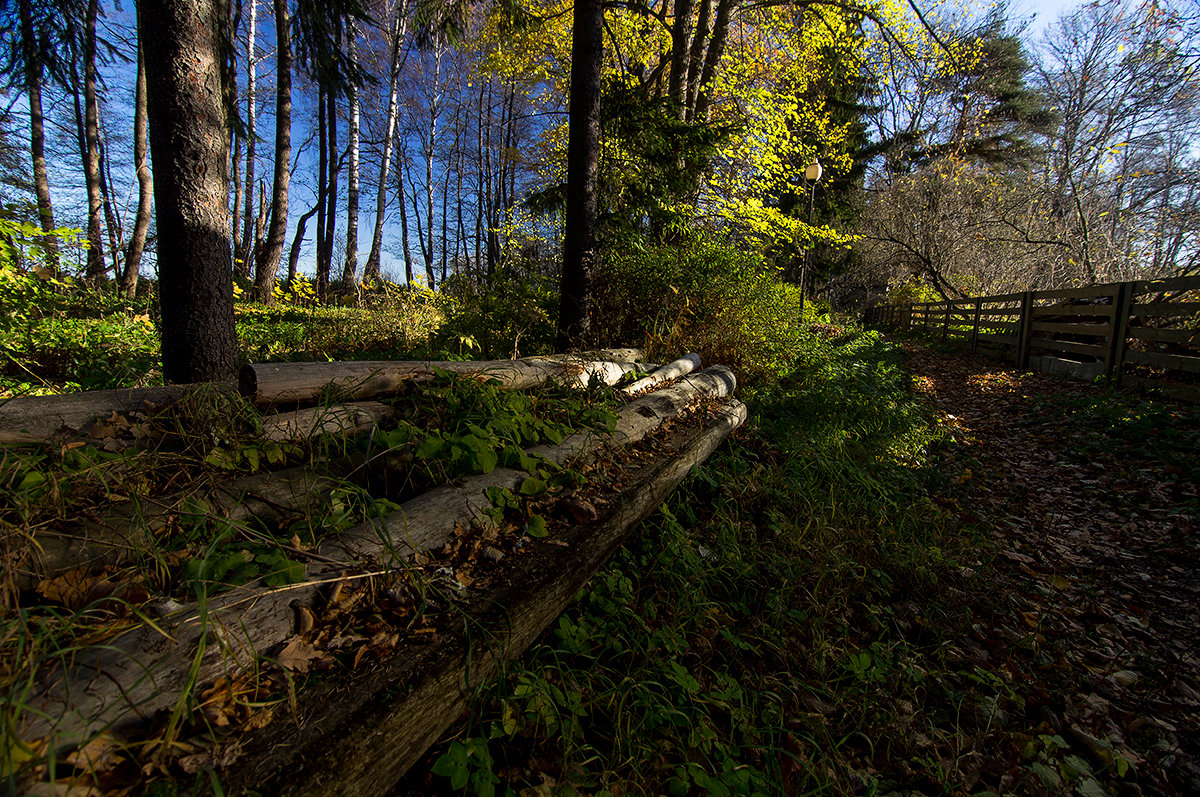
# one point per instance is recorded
(1007, 381)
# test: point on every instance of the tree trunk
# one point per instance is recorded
(260, 221)
(235, 225)
(371, 271)
(583, 150)
(37, 135)
(243, 257)
(267, 263)
(401, 168)
(325, 257)
(350, 267)
(112, 218)
(716, 49)
(298, 239)
(189, 96)
(427, 242)
(677, 81)
(322, 190)
(96, 269)
(141, 221)
(696, 57)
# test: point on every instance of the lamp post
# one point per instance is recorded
(812, 175)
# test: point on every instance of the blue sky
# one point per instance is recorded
(1044, 12)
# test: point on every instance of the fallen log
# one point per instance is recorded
(593, 355)
(128, 532)
(428, 521)
(35, 419)
(156, 665)
(280, 383)
(360, 735)
(681, 367)
(340, 419)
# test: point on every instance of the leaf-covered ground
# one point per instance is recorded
(1092, 628)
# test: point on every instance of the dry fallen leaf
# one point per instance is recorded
(298, 655)
(98, 755)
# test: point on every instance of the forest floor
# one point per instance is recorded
(1091, 622)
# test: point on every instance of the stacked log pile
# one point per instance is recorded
(119, 688)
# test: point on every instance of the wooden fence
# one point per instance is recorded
(1145, 332)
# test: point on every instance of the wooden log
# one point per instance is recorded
(154, 666)
(128, 532)
(278, 383)
(428, 521)
(684, 365)
(340, 419)
(35, 419)
(359, 735)
(594, 355)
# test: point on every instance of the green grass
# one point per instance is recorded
(771, 630)
(66, 338)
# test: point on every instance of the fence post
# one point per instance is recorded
(1118, 331)
(975, 325)
(946, 319)
(1026, 330)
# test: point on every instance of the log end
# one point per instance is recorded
(248, 381)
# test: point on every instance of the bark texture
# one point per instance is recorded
(189, 96)
(583, 152)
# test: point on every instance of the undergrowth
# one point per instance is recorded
(773, 629)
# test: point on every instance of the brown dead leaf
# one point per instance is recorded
(97, 756)
(191, 764)
(71, 588)
(299, 655)
(304, 619)
(259, 719)
(577, 509)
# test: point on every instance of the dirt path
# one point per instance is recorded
(1093, 625)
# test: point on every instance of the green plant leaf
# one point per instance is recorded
(532, 486)
(536, 527)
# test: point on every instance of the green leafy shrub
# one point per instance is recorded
(505, 316)
(702, 295)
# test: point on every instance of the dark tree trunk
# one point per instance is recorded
(267, 262)
(323, 170)
(141, 221)
(298, 241)
(112, 217)
(37, 134)
(716, 48)
(401, 168)
(189, 94)
(350, 265)
(583, 149)
(677, 81)
(236, 214)
(325, 257)
(96, 269)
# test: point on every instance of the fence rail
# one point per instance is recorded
(1145, 332)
